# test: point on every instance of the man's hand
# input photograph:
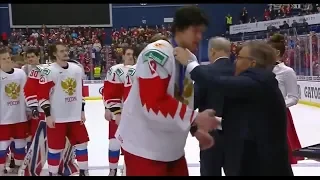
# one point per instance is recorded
(206, 120)
(117, 118)
(182, 55)
(108, 115)
(83, 117)
(50, 122)
(206, 141)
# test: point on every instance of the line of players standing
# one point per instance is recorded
(49, 92)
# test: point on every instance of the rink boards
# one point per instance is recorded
(308, 87)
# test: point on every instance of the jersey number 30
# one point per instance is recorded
(33, 73)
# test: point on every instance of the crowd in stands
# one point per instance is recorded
(302, 53)
(278, 11)
(86, 44)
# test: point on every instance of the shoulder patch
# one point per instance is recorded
(131, 71)
(119, 72)
(38, 68)
(45, 71)
(156, 55)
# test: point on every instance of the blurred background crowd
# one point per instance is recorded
(98, 49)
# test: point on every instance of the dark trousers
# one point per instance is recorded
(211, 160)
(251, 164)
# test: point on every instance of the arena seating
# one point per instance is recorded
(303, 54)
(281, 11)
(88, 44)
(85, 44)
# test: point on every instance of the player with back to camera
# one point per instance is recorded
(154, 125)
(63, 108)
(288, 85)
(130, 76)
(113, 98)
(13, 119)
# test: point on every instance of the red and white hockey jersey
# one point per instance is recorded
(154, 125)
(12, 106)
(32, 85)
(114, 86)
(62, 89)
(129, 81)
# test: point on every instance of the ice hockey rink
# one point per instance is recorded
(306, 119)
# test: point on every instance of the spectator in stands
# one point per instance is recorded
(288, 10)
(244, 15)
(294, 24)
(304, 27)
(283, 11)
(74, 35)
(273, 13)
(266, 15)
(285, 25)
(304, 23)
(97, 73)
(4, 38)
(228, 21)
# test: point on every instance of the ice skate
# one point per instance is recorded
(113, 172)
(84, 173)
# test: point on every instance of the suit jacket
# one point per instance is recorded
(211, 97)
(254, 120)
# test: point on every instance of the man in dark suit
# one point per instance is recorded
(254, 115)
(211, 160)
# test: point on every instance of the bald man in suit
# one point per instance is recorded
(211, 160)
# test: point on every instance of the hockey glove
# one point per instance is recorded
(34, 112)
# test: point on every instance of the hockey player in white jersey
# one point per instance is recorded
(33, 69)
(13, 119)
(64, 109)
(154, 125)
(113, 92)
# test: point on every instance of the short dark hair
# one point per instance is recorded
(17, 58)
(158, 37)
(33, 50)
(277, 41)
(188, 16)
(53, 49)
(4, 49)
(125, 49)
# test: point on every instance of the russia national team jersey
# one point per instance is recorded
(12, 106)
(114, 85)
(62, 89)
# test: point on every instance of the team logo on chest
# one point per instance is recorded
(12, 90)
(69, 86)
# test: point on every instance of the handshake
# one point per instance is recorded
(205, 121)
